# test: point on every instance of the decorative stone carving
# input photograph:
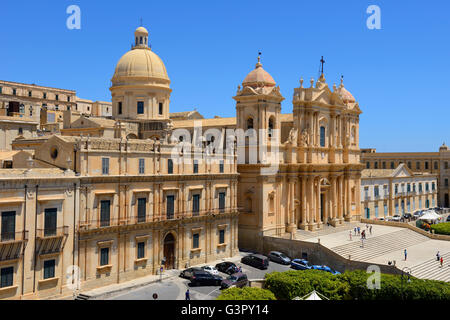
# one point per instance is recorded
(293, 136)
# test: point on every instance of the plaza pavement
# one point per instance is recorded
(385, 244)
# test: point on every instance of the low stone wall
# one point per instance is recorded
(407, 225)
(316, 253)
(256, 283)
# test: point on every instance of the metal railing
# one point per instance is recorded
(13, 236)
(135, 220)
(52, 232)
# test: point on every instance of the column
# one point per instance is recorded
(303, 201)
(318, 204)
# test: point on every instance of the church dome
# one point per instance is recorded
(444, 147)
(258, 77)
(140, 63)
(344, 94)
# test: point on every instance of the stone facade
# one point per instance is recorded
(389, 192)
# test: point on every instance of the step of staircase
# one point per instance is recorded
(431, 269)
(82, 296)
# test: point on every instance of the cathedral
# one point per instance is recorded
(120, 197)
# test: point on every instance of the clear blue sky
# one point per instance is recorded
(398, 74)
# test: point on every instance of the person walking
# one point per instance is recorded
(359, 231)
(442, 262)
(350, 235)
(406, 254)
(370, 229)
(438, 256)
(188, 295)
(355, 231)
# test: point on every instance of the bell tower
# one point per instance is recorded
(258, 107)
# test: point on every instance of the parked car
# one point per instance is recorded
(388, 218)
(407, 216)
(325, 268)
(187, 273)
(448, 219)
(300, 264)
(418, 213)
(204, 278)
(279, 257)
(235, 280)
(227, 267)
(256, 260)
(211, 269)
(396, 218)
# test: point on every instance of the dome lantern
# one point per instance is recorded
(141, 37)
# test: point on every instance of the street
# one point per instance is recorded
(175, 287)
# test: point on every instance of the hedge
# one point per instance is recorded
(246, 293)
(353, 285)
(290, 284)
(441, 228)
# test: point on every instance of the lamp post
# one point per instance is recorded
(405, 277)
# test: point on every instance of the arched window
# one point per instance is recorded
(140, 40)
(250, 123)
(322, 136)
(271, 127)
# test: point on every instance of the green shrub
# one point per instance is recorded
(441, 228)
(290, 284)
(353, 285)
(246, 293)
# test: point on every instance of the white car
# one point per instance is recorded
(211, 270)
(396, 218)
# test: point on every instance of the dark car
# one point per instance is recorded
(300, 264)
(448, 219)
(256, 260)
(203, 278)
(235, 280)
(279, 257)
(407, 216)
(227, 267)
(187, 274)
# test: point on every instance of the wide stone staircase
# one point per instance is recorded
(326, 230)
(431, 269)
(380, 245)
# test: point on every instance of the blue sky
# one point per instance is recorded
(398, 74)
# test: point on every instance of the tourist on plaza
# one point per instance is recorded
(350, 235)
(188, 296)
(442, 262)
(355, 231)
(370, 229)
(438, 256)
(359, 231)
(406, 254)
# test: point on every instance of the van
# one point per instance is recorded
(256, 260)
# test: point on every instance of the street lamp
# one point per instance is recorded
(405, 277)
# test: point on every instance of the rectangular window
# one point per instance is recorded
(195, 241)
(427, 187)
(409, 165)
(436, 165)
(6, 277)
(195, 204)
(141, 250)
(396, 188)
(105, 207)
(30, 93)
(68, 99)
(396, 208)
(417, 165)
(14, 91)
(384, 165)
(385, 209)
(376, 192)
(221, 201)
(376, 210)
(221, 236)
(408, 187)
(195, 166)
(104, 256)
(426, 165)
(446, 182)
(433, 186)
(56, 97)
(8, 225)
(50, 222)
(414, 187)
(140, 107)
(221, 166)
(322, 136)
(392, 165)
(160, 108)
(367, 165)
(170, 209)
(119, 109)
(409, 206)
(169, 166)
(1, 90)
(141, 166)
(142, 204)
(105, 165)
(375, 165)
(420, 187)
(49, 269)
(420, 203)
(45, 95)
(385, 190)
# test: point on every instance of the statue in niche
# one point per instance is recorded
(305, 137)
(292, 139)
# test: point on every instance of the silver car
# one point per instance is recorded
(279, 257)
